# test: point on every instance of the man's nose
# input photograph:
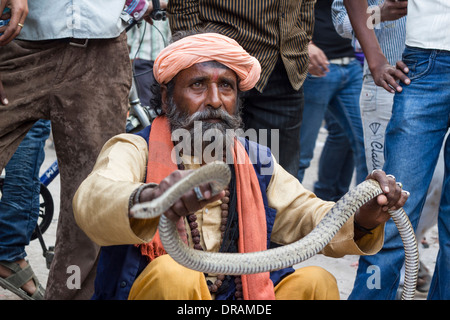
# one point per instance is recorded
(213, 98)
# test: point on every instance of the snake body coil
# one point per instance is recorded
(278, 258)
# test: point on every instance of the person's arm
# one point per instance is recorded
(340, 19)
(391, 10)
(363, 24)
(18, 13)
(388, 11)
(103, 201)
(307, 17)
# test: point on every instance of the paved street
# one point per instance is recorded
(344, 269)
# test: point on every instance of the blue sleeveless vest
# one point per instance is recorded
(119, 266)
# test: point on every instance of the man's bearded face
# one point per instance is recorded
(205, 103)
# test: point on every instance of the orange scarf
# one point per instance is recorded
(251, 212)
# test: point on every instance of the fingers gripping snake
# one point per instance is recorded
(218, 175)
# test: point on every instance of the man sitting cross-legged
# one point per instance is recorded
(201, 77)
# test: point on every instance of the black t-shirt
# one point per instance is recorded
(325, 35)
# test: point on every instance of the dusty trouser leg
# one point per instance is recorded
(83, 91)
(90, 106)
(26, 70)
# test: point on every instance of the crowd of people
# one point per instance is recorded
(368, 71)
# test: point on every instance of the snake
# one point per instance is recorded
(218, 175)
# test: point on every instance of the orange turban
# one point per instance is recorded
(190, 50)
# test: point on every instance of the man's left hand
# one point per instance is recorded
(19, 12)
(375, 212)
(318, 62)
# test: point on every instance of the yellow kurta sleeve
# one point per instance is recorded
(299, 211)
(101, 203)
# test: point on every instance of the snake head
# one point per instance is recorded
(145, 210)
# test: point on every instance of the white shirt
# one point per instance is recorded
(428, 24)
(49, 19)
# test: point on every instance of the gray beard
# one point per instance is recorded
(204, 140)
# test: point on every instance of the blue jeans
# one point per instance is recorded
(334, 181)
(338, 92)
(414, 136)
(19, 205)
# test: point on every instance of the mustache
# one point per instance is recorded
(179, 118)
(228, 120)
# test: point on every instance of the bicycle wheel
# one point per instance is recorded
(46, 208)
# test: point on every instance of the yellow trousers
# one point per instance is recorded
(165, 279)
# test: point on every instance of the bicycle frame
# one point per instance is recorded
(50, 174)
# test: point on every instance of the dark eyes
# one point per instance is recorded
(201, 84)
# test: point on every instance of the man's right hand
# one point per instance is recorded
(19, 12)
(383, 73)
(391, 10)
(387, 76)
(188, 203)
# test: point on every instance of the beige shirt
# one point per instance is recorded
(101, 205)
